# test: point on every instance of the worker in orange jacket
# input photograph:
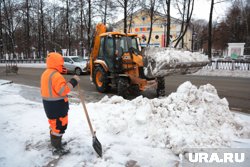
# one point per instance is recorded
(54, 90)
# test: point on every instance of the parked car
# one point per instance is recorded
(75, 65)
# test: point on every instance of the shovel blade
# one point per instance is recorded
(97, 146)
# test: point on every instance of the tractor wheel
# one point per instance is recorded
(161, 87)
(101, 79)
(122, 87)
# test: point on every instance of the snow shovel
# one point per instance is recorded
(96, 144)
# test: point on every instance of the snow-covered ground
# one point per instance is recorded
(145, 132)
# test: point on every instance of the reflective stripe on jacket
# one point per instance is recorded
(53, 86)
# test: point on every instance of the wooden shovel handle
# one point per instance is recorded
(85, 110)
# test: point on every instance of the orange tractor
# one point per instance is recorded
(116, 61)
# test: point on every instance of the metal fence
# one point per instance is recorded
(23, 61)
(229, 65)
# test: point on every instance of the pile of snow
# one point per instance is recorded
(167, 61)
(189, 118)
(141, 131)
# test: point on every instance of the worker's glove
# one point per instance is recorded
(76, 77)
(74, 81)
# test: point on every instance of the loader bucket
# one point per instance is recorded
(160, 62)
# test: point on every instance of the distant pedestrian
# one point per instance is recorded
(54, 90)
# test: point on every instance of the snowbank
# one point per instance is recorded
(189, 118)
(167, 61)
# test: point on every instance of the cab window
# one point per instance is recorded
(109, 52)
(109, 47)
(100, 54)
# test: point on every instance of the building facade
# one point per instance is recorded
(140, 24)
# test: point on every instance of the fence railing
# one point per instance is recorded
(229, 65)
(23, 61)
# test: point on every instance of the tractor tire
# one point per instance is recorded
(160, 91)
(101, 79)
(122, 87)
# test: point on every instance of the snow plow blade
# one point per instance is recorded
(160, 62)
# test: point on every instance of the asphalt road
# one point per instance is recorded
(236, 90)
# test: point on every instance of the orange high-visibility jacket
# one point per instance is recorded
(53, 85)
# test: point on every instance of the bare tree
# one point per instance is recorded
(210, 30)
(68, 26)
(10, 25)
(1, 32)
(128, 7)
(168, 3)
(89, 25)
(186, 12)
(151, 8)
(131, 14)
(81, 5)
(27, 28)
(106, 9)
(124, 5)
(41, 30)
(210, 27)
(244, 20)
(54, 27)
(200, 27)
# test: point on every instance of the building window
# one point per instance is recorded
(143, 18)
(157, 37)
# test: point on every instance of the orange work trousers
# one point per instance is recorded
(58, 125)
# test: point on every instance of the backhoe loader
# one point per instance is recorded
(116, 61)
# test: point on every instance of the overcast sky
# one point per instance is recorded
(202, 9)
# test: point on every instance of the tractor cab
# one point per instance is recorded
(117, 48)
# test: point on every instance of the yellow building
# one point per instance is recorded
(140, 25)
